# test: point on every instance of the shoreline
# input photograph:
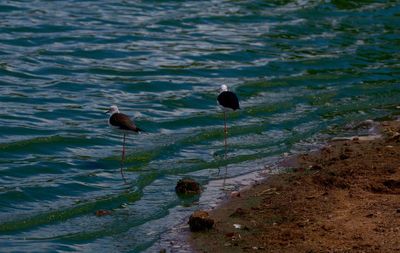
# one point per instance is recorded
(342, 198)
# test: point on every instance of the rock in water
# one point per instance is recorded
(102, 213)
(200, 221)
(187, 186)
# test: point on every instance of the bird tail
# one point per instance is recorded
(140, 130)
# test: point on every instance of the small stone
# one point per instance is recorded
(187, 186)
(395, 137)
(316, 167)
(301, 224)
(200, 221)
(230, 234)
(237, 226)
(238, 212)
(235, 194)
(327, 227)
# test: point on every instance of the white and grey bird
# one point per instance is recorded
(123, 123)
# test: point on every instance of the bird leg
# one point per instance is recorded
(123, 158)
(224, 179)
(225, 133)
(123, 149)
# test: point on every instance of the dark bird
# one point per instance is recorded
(228, 101)
(123, 123)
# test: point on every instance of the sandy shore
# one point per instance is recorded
(344, 198)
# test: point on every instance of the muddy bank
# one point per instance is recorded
(345, 198)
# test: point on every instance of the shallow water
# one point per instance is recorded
(303, 70)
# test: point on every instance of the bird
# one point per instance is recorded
(123, 123)
(228, 101)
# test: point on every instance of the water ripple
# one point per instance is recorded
(302, 69)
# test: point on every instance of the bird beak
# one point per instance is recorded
(107, 111)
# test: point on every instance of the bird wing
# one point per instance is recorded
(228, 99)
(123, 122)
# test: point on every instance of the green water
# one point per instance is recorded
(303, 71)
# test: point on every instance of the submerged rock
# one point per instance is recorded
(103, 213)
(187, 186)
(200, 221)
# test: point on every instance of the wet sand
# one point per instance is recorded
(343, 198)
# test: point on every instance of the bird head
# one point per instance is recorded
(223, 88)
(113, 109)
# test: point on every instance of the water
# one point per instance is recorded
(302, 70)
